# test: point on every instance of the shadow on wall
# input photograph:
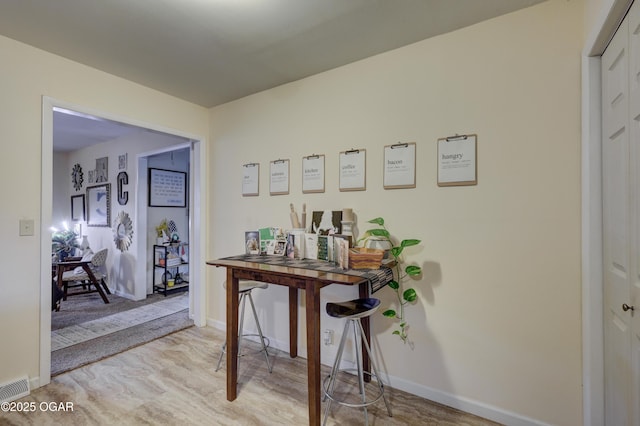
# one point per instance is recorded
(418, 334)
(431, 277)
(122, 274)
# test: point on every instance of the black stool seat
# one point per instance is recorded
(357, 308)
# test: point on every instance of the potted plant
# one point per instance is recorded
(161, 230)
(401, 272)
(64, 243)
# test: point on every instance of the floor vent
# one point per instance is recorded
(14, 390)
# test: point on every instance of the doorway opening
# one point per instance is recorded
(134, 145)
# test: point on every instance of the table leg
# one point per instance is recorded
(293, 322)
(232, 336)
(366, 326)
(313, 351)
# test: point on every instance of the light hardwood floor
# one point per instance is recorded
(171, 381)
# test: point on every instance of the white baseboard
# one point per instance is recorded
(464, 404)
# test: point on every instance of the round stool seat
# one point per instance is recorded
(352, 309)
(246, 285)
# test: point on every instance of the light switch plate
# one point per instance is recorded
(26, 227)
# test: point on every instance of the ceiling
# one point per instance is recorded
(214, 51)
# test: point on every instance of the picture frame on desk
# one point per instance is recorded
(252, 242)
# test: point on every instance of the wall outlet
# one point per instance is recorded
(328, 337)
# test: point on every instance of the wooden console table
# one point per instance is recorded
(308, 275)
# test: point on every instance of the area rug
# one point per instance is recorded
(80, 344)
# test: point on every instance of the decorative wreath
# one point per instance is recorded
(77, 177)
(123, 231)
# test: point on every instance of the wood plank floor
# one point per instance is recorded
(171, 381)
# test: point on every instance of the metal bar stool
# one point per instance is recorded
(244, 291)
(353, 311)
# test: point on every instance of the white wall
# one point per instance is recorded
(26, 75)
(61, 206)
(496, 329)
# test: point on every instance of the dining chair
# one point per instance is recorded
(89, 271)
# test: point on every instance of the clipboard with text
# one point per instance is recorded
(400, 166)
(458, 160)
(353, 170)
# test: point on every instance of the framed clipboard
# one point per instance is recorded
(250, 179)
(353, 166)
(279, 177)
(458, 160)
(313, 174)
(400, 166)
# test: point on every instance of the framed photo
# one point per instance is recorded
(252, 242)
(99, 205)
(102, 169)
(167, 188)
(77, 207)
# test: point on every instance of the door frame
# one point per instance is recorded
(197, 299)
(598, 36)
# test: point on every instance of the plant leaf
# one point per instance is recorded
(413, 270)
(396, 332)
(379, 232)
(395, 251)
(389, 313)
(394, 284)
(377, 221)
(408, 243)
(410, 295)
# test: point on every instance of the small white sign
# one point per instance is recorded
(457, 161)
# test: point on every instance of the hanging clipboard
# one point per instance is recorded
(353, 167)
(312, 174)
(458, 160)
(400, 166)
(279, 177)
(250, 179)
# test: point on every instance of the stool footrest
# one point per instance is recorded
(380, 389)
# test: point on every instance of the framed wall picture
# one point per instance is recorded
(167, 188)
(77, 207)
(102, 169)
(99, 205)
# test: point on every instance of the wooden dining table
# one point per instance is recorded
(307, 275)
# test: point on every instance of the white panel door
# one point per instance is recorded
(616, 191)
(633, 312)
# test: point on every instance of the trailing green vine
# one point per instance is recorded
(405, 296)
